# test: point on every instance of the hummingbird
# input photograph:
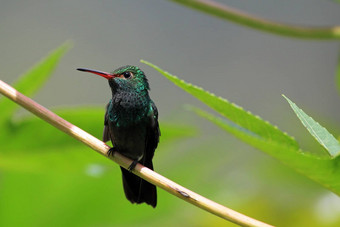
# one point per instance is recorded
(131, 123)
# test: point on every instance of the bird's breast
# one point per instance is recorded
(127, 109)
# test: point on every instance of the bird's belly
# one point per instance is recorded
(129, 141)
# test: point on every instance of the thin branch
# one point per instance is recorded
(222, 11)
(140, 170)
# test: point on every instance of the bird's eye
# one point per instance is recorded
(127, 74)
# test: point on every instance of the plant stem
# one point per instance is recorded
(139, 170)
(222, 11)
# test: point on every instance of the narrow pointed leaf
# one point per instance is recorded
(33, 79)
(231, 111)
(321, 134)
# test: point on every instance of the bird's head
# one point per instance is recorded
(126, 77)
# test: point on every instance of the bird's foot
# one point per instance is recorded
(133, 165)
(111, 151)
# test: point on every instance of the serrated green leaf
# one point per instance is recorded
(263, 136)
(232, 111)
(321, 170)
(33, 79)
(321, 134)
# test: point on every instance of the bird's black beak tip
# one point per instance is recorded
(81, 69)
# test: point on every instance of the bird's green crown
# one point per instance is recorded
(132, 75)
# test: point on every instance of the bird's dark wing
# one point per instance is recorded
(147, 191)
(106, 133)
(153, 133)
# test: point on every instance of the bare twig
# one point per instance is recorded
(140, 170)
(225, 12)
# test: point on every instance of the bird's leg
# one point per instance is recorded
(133, 165)
(111, 151)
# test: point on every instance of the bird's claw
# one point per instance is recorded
(133, 165)
(111, 151)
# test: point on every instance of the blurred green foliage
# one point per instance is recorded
(49, 179)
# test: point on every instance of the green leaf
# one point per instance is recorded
(231, 111)
(263, 136)
(321, 134)
(33, 79)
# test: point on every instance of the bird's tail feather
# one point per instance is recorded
(138, 190)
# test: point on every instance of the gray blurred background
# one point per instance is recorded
(247, 67)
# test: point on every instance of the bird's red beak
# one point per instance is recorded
(100, 73)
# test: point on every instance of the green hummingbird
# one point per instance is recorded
(131, 123)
